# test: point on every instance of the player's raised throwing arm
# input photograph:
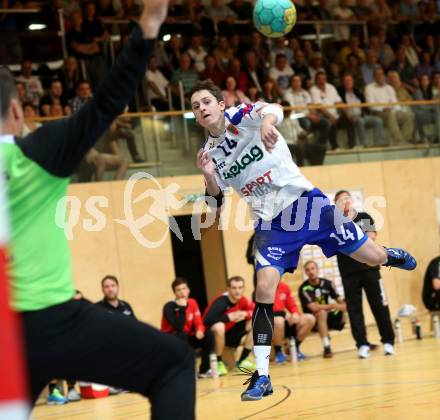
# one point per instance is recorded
(59, 146)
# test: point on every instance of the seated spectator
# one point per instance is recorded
(53, 97)
(353, 47)
(334, 75)
(69, 75)
(174, 50)
(222, 15)
(425, 67)
(353, 68)
(21, 92)
(381, 15)
(280, 46)
(312, 120)
(260, 48)
(254, 94)
(361, 119)
(29, 112)
(235, 44)
(83, 94)
(185, 75)
(396, 120)
(57, 110)
(367, 68)
(386, 53)
(300, 68)
(228, 316)
(406, 71)
(431, 286)
(343, 12)
(240, 76)
(92, 25)
(181, 317)
(242, 8)
(212, 71)
(271, 93)
(326, 94)
(157, 86)
(282, 72)
(111, 302)
(232, 95)
(288, 322)
(85, 48)
(255, 73)
(316, 65)
(315, 294)
(34, 89)
(411, 50)
(426, 114)
(197, 52)
(223, 53)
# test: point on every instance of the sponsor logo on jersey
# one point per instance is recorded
(233, 129)
(255, 155)
(259, 186)
(275, 252)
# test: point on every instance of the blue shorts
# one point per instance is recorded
(310, 220)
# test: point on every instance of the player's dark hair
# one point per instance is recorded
(210, 86)
(8, 91)
(178, 281)
(341, 192)
(109, 277)
(234, 278)
(310, 262)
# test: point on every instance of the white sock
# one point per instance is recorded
(325, 341)
(262, 355)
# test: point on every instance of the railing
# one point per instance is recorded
(168, 141)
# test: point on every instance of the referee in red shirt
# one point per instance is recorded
(182, 318)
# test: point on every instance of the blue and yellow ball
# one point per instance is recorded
(274, 18)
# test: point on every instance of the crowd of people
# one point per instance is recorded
(399, 61)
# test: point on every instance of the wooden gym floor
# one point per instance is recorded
(404, 386)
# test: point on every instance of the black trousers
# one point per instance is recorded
(207, 347)
(77, 340)
(371, 282)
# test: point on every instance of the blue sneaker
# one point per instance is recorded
(259, 387)
(300, 355)
(280, 358)
(56, 398)
(399, 258)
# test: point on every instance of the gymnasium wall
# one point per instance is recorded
(108, 246)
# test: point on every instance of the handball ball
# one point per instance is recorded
(274, 18)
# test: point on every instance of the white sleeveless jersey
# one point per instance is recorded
(269, 182)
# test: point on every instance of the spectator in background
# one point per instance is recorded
(300, 68)
(111, 301)
(157, 86)
(255, 73)
(260, 48)
(362, 11)
(381, 15)
(288, 322)
(386, 53)
(408, 9)
(197, 52)
(92, 25)
(232, 95)
(358, 278)
(235, 44)
(34, 89)
(316, 65)
(239, 75)
(398, 122)
(351, 95)
(222, 16)
(271, 93)
(53, 97)
(105, 9)
(85, 48)
(315, 294)
(184, 74)
(353, 68)
(343, 12)
(130, 10)
(431, 286)
(353, 47)
(425, 68)
(181, 317)
(21, 92)
(57, 110)
(334, 75)
(228, 316)
(69, 75)
(124, 130)
(425, 114)
(174, 50)
(411, 50)
(212, 71)
(254, 94)
(242, 8)
(280, 46)
(367, 68)
(83, 94)
(223, 53)
(312, 120)
(402, 66)
(326, 94)
(30, 112)
(10, 46)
